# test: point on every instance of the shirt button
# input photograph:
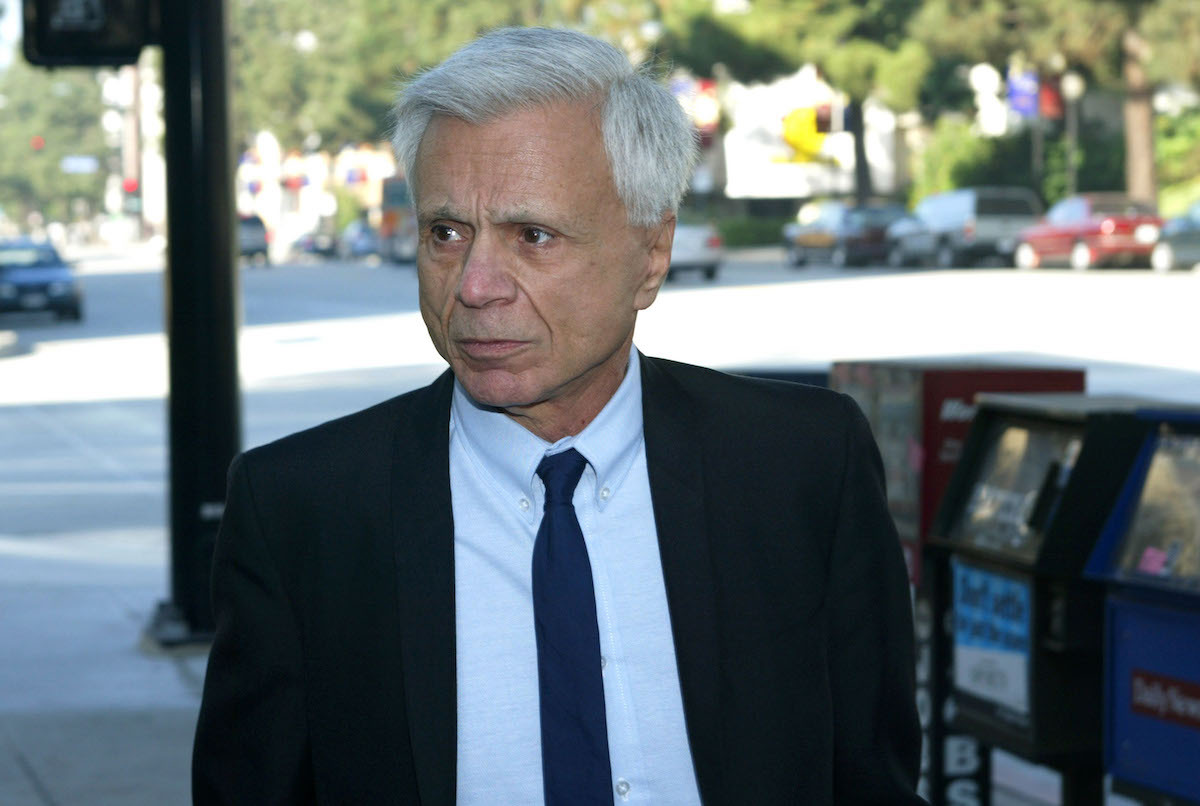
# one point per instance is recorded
(605, 493)
(523, 504)
(603, 661)
(622, 787)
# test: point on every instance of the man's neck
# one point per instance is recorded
(568, 414)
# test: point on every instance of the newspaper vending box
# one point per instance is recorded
(920, 411)
(1149, 553)
(1037, 481)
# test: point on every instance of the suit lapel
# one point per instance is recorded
(675, 466)
(423, 530)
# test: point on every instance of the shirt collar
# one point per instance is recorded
(509, 454)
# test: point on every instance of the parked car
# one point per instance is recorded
(398, 236)
(34, 278)
(1178, 245)
(898, 237)
(697, 247)
(253, 241)
(842, 235)
(812, 232)
(964, 227)
(1091, 229)
(358, 239)
(320, 243)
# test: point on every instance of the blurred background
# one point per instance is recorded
(996, 184)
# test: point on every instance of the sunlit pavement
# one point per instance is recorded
(88, 715)
(758, 313)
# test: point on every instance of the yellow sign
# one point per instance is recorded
(800, 132)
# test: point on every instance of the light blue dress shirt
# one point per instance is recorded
(497, 503)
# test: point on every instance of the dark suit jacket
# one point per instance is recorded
(332, 674)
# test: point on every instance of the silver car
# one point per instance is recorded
(697, 247)
(1178, 246)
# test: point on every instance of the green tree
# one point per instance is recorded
(1128, 45)
(329, 72)
(45, 116)
(963, 158)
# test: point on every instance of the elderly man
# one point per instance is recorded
(565, 572)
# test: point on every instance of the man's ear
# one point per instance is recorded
(658, 261)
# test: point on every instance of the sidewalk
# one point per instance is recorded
(89, 715)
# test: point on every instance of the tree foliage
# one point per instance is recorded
(1127, 45)
(962, 158)
(1178, 147)
(328, 72)
(61, 109)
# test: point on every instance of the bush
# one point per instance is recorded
(1177, 147)
(348, 208)
(745, 230)
(958, 157)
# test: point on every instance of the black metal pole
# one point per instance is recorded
(201, 304)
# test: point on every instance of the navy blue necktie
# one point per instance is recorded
(575, 765)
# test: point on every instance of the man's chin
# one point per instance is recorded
(495, 389)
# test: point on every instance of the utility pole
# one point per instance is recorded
(204, 423)
(203, 407)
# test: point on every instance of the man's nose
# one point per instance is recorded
(485, 277)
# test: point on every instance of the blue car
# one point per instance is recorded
(34, 278)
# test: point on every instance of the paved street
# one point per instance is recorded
(82, 423)
(82, 413)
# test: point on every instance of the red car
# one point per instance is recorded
(1091, 229)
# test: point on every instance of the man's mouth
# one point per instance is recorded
(488, 349)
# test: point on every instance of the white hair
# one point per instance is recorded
(650, 143)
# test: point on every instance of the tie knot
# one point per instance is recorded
(560, 473)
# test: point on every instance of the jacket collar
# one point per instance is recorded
(675, 464)
(423, 529)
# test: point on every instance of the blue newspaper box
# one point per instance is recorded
(1149, 553)
(1037, 481)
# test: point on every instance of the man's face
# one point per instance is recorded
(530, 274)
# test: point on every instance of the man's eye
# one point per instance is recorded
(535, 235)
(443, 233)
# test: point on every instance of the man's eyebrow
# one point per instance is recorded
(515, 215)
(445, 211)
(520, 215)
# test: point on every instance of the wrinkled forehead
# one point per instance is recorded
(554, 141)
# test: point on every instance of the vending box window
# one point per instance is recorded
(1039, 476)
(1149, 555)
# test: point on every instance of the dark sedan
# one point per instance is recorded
(34, 278)
(1179, 245)
(841, 235)
(1091, 229)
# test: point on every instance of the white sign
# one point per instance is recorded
(764, 159)
(79, 164)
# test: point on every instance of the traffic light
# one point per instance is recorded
(88, 33)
